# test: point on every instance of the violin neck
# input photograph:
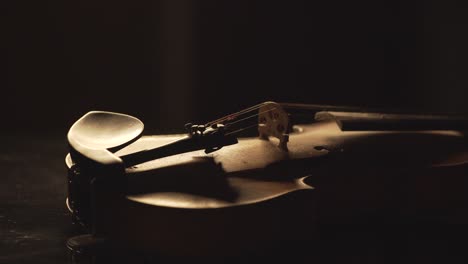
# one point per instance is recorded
(348, 121)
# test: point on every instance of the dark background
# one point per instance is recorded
(173, 61)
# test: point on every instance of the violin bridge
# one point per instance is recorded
(273, 121)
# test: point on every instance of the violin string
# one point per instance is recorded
(251, 116)
(241, 129)
(240, 113)
(235, 114)
(250, 126)
(228, 117)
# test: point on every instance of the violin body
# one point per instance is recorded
(256, 196)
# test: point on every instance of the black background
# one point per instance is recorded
(170, 62)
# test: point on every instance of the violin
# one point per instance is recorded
(216, 191)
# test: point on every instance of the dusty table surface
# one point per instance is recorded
(34, 223)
